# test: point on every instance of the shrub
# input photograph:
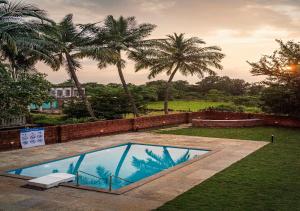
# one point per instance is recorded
(46, 119)
(246, 101)
(281, 100)
(227, 107)
(216, 95)
(75, 109)
(107, 104)
(50, 119)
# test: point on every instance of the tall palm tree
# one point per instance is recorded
(69, 40)
(21, 44)
(177, 54)
(118, 36)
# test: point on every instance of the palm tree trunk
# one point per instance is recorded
(128, 93)
(166, 100)
(125, 153)
(79, 87)
(78, 163)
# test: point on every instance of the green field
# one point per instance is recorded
(183, 105)
(268, 179)
(192, 105)
(156, 107)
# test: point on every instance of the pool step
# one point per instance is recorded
(51, 180)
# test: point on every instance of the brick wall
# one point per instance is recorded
(159, 121)
(227, 123)
(90, 129)
(270, 120)
(194, 115)
(217, 115)
(283, 121)
(10, 139)
(52, 134)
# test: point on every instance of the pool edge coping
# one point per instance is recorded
(124, 189)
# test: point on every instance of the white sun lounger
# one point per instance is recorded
(51, 180)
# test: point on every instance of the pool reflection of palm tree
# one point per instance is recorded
(85, 179)
(155, 163)
(102, 173)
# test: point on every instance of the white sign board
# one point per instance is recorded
(32, 137)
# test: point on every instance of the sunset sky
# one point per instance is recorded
(244, 29)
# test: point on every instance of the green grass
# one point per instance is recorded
(152, 113)
(192, 105)
(268, 179)
(49, 119)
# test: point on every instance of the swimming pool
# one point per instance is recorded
(115, 167)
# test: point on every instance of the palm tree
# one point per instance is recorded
(21, 44)
(177, 53)
(155, 163)
(118, 36)
(69, 41)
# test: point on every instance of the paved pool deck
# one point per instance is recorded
(146, 197)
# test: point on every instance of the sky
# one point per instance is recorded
(244, 29)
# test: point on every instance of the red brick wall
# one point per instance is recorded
(51, 134)
(216, 115)
(84, 130)
(194, 115)
(283, 121)
(10, 139)
(159, 121)
(227, 123)
(270, 120)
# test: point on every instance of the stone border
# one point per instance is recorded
(227, 123)
(146, 197)
(127, 187)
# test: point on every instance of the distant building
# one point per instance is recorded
(65, 92)
(61, 95)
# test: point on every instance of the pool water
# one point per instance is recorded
(128, 163)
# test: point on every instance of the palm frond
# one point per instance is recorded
(189, 55)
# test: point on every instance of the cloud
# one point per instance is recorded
(202, 16)
(245, 29)
(119, 5)
(154, 5)
(96, 4)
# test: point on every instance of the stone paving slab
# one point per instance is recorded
(146, 197)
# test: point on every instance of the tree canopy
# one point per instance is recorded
(175, 54)
(283, 66)
(283, 79)
(115, 37)
(16, 96)
(21, 43)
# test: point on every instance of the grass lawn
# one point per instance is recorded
(176, 105)
(192, 105)
(268, 179)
